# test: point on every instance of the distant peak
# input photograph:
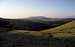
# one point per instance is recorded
(39, 17)
(70, 16)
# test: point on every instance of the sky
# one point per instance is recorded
(29, 8)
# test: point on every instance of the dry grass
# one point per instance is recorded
(66, 30)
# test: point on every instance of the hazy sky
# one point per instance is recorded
(28, 8)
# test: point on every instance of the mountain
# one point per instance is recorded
(38, 23)
(33, 23)
(70, 16)
(39, 17)
(42, 19)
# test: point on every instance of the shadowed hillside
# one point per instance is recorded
(34, 23)
(5, 25)
(38, 24)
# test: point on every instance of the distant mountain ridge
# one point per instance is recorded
(39, 23)
(70, 16)
(35, 23)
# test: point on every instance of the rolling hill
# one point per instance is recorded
(65, 30)
(32, 23)
(38, 23)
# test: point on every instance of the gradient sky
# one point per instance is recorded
(28, 8)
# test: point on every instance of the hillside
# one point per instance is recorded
(38, 24)
(45, 38)
(33, 23)
(65, 30)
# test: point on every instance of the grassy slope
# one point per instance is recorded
(65, 30)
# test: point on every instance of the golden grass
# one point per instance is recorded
(66, 30)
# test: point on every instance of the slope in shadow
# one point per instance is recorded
(26, 24)
(38, 26)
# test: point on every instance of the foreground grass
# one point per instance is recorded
(24, 40)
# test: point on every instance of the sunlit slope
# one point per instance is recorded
(65, 30)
